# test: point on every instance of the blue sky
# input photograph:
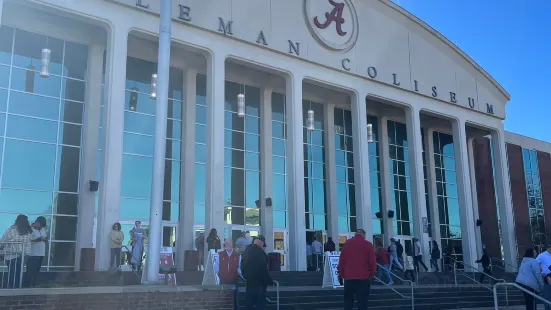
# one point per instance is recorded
(511, 40)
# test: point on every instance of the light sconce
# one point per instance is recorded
(369, 133)
(133, 101)
(240, 105)
(45, 63)
(310, 120)
(153, 92)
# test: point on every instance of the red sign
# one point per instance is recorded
(334, 16)
(166, 259)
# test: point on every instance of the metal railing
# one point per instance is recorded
(12, 258)
(411, 283)
(268, 299)
(536, 296)
(503, 265)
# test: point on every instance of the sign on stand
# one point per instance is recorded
(330, 272)
(165, 258)
(210, 277)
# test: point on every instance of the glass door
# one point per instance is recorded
(169, 234)
(281, 238)
(407, 244)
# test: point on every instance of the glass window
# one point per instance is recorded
(6, 40)
(29, 165)
(136, 176)
(25, 201)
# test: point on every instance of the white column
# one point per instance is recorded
(111, 163)
(431, 182)
(386, 181)
(464, 192)
(266, 213)
(504, 197)
(90, 141)
(472, 172)
(1, 7)
(295, 174)
(415, 152)
(361, 164)
(186, 236)
(214, 190)
(330, 172)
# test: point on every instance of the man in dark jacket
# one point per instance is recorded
(486, 265)
(254, 267)
(357, 266)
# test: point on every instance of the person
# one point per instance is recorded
(434, 255)
(357, 267)
(248, 237)
(138, 235)
(242, 242)
(329, 246)
(308, 256)
(316, 252)
(393, 251)
(38, 250)
(399, 251)
(529, 277)
(544, 259)
(409, 265)
(486, 265)
(213, 242)
(418, 258)
(17, 244)
(383, 261)
(116, 237)
(200, 246)
(254, 266)
(228, 268)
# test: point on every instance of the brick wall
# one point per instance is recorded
(544, 167)
(519, 197)
(98, 299)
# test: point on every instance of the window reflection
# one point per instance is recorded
(534, 196)
(375, 175)
(397, 136)
(345, 169)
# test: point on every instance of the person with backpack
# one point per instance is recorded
(393, 252)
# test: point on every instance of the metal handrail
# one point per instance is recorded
(504, 264)
(268, 299)
(496, 306)
(403, 280)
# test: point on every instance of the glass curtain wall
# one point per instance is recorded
(314, 168)
(200, 150)
(535, 201)
(242, 156)
(344, 158)
(40, 136)
(446, 191)
(375, 177)
(279, 161)
(400, 180)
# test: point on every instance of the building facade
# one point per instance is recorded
(267, 168)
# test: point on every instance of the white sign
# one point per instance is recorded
(330, 272)
(210, 277)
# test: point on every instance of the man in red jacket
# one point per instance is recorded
(357, 266)
(229, 268)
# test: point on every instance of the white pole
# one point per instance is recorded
(157, 186)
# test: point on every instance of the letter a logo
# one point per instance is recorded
(334, 16)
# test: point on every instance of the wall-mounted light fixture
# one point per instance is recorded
(240, 105)
(310, 120)
(369, 133)
(45, 62)
(153, 92)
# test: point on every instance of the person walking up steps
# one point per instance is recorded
(418, 258)
(393, 252)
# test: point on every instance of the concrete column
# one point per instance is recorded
(464, 192)
(214, 190)
(504, 197)
(331, 173)
(386, 180)
(361, 164)
(431, 182)
(185, 231)
(266, 213)
(415, 150)
(1, 7)
(472, 172)
(295, 173)
(90, 141)
(111, 163)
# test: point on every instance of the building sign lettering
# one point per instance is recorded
(334, 16)
(340, 12)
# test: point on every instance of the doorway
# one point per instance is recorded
(281, 238)
(315, 262)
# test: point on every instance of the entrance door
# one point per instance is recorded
(281, 238)
(235, 231)
(407, 244)
(169, 234)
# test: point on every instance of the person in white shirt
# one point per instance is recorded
(544, 259)
(317, 250)
(418, 258)
(308, 255)
(38, 251)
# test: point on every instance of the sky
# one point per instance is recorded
(511, 40)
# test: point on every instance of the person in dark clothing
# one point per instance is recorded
(329, 245)
(357, 267)
(434, 255)
(254, 266)
(213, 242)
(486, 265)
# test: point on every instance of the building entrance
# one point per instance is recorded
(281, 239)
(315, 261)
